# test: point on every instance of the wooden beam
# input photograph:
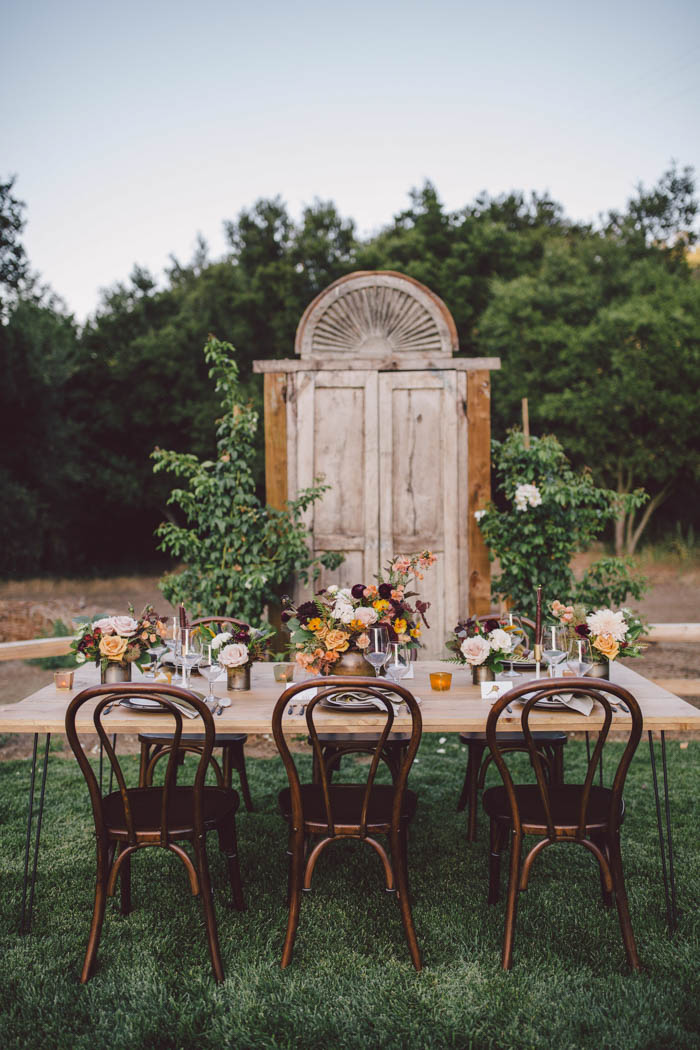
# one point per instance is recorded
(673, 632)
(479, 488)
(680, 686)
(357, 363)
(34, 648)
(275, 390)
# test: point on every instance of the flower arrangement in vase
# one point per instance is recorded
(337, 620)
(237, 650)
(610, 633)
(117, 642)
(482, 645)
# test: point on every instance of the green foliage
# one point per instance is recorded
(535, 545)
(610, 582)
(54, 663)
(237, 552)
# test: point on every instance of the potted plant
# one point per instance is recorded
(115, 643)
(481, 645)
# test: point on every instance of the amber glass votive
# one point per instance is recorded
(284, 672)
(63, 679)
(440, 681)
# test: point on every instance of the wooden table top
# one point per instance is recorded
(460, 709)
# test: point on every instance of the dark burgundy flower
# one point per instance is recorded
(306, 611)
(384, 590)
(583, 630)
(491, 625)
(393, 636)
(286, 615)
(358, 590)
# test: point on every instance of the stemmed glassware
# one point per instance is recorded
(171, 638)
(555, 647)
(378, 649)
(189, 654)
(209, 667)
(517, 637)
(579, 659)
(398, 661)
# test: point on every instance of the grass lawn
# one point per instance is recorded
(351, 983)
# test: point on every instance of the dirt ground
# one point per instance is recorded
(674, 597)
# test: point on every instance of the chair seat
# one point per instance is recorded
(217, 805)
(513, 738)
(346, 804)
(565, 801)
(193, 738)
(362, 738)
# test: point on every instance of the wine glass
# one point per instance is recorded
(555, 647)
(378, 648)
(579, 659)
(209, 668)
(517, 637)
(171, 639)
(189, 654)
(398, 661)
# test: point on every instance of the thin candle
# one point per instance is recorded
(554, 643)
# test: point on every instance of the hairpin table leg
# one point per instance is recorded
(669, 878)
(25, 921)
(111, 767)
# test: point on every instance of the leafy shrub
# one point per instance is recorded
(238, 553)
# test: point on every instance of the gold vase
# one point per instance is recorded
(115, 672)
(353, 664)
(600, 669)
(482, 673)
(238, 678)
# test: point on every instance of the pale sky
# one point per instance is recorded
(133, 126)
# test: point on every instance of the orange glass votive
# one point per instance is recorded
(440, 681)
(63, 679)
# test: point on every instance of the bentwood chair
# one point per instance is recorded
(550, 745)
(131, 819)
(155, 746)
(587, 814)
(321, 813)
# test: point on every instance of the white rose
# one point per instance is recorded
(345, 593)
(124, 625)
(478, 514)
(527, 495)
(220, 639)
(80, 658)
(106, 625)
(343, 611)
(500, 640)
(235, 655)
(475, 650)
(332, 589)
(366, 616)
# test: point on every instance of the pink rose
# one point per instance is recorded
(124, 625)
(362, 641)
(234, 655)
(105, 625)
(365, 616)
(475, 650)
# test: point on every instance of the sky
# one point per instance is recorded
(134, 126)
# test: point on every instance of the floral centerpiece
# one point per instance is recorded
(337, 619)
(238, 649)
(480, 644)
(117, 642)
(611, 634)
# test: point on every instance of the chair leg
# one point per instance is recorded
(98, 912)
(622, 904)
(495, 863)
(469, 795)
(512, 901)
(239, 762)
(143, 763)
(400, 874)
(295, 883)
(229, 847)
(125, 886)
(200, 850)
(602, 844)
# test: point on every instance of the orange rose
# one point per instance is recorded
(112, 646)
(337, 641)
(605, 644)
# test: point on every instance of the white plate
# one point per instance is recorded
(142, 703)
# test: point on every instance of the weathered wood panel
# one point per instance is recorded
(479, 475)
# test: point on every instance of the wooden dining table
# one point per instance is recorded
(460, 709)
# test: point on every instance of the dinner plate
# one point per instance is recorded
(143, 703)
(358, 701)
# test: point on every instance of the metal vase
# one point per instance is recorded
(353, 664)
(482, 673)
(600, 669)
(238, 678)
(115, 672)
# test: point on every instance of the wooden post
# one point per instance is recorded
(275, 391)
(526, 424)
(479, 475)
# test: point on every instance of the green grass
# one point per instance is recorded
(351, 983)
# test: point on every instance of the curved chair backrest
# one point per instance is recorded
(531, 693)
(375, 688)
(203, 620)
(165, 695)
(528, 626)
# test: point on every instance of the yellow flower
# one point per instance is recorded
(415, 632)
(606, 644)
(400, 626)
(356, 625)
(112, 646)
(381, 605)
(314, 623)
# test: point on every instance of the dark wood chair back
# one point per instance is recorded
(531, 693)
(377, 689)
(165, 695)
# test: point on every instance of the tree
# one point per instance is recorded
(13, 261)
